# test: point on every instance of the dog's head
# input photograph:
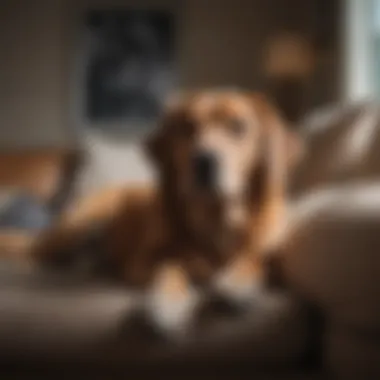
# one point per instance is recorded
(211, 144)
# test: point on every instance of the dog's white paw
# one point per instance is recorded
(171, 315)
(239, 291)
(172, 303)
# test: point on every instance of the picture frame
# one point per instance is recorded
(125, 67)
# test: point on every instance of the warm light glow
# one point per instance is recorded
(289, 55)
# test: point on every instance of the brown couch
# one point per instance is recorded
(325, 324)
(45, 174)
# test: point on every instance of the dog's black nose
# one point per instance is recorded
(204, 167)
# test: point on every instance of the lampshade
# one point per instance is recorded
(289, 55)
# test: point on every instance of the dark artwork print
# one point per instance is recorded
(129, 64)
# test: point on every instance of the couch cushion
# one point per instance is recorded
(45, 318)
(352, 354)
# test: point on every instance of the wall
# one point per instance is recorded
(31, 68)
(37, 47)
(220, 43)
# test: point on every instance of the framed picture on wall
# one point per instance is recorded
(127, 66)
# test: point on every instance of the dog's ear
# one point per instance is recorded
(282, 148)
(157, 145)
(154, 145)
(295, 147)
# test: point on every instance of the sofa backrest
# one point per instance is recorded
(341, 143)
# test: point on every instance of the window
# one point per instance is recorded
(376, 45)
(361, 49)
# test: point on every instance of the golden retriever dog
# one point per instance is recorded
(223, 160)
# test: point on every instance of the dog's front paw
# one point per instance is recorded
(239, 285)
(171, 305)
(169, 317)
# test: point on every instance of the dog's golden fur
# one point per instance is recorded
(176, 233)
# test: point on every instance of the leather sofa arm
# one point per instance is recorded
(332, 257)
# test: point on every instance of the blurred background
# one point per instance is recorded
(314, 51)
(92, 75)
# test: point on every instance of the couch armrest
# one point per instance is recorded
(332, 256)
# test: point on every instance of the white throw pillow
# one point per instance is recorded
(111, 161)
